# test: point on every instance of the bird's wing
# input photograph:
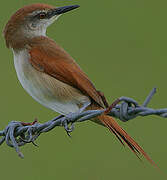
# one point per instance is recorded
(48, 57)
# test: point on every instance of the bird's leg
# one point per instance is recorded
(85, 105)
(29, 124)
(68, 117)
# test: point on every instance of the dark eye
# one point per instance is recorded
(42, 15)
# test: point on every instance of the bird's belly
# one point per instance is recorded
(45, 89)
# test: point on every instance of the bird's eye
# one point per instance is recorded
(42, 15)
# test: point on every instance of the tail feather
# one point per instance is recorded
(114, 127)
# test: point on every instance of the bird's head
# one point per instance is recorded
(31, 21)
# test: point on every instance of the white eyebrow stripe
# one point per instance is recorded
(37, 12)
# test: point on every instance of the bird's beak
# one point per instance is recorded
(61, 10)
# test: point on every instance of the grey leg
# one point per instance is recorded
(70, 116)
(85, 105)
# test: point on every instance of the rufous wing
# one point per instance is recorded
(48, 57)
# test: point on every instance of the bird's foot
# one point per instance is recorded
(71, 118)
(68, 128)
(29, 124)
(68, 122)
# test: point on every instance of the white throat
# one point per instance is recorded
(34, 32)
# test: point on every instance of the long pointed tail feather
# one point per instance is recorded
(114, 127)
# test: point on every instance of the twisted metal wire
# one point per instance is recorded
(18, 134)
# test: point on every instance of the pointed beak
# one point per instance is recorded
(61, 10)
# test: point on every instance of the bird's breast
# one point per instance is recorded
(45, 89)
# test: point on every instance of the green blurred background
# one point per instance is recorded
(122, 46)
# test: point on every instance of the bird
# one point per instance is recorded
(50, 75)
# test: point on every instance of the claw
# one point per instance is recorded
(70, 129)
(65, 124)
(68, 133)
(35, 144)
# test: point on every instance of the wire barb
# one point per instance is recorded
(18, 134)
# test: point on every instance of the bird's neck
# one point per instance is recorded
(23, 42)
(20, 40)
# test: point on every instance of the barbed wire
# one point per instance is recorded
(18, 133)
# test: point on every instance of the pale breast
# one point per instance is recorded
(45, 89)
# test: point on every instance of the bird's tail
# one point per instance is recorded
(114, 127)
